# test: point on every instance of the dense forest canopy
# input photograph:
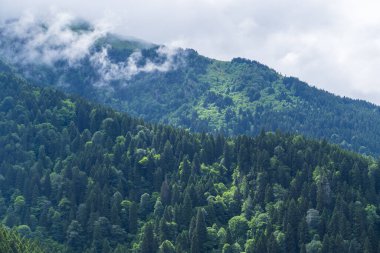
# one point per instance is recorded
(184, 89)
(80, 177)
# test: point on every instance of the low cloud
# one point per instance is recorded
(333, 45)
(48, 40)
(125, 70)
(61, 37)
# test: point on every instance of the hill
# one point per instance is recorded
(85, 178)
(182, 88)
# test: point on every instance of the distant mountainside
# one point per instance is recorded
(182, 88)
(82, 178)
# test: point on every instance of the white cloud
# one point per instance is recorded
(334, 45)
(125, 70)
(51, 39)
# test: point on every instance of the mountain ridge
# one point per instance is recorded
(184, 89)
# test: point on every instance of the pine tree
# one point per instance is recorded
(199, 236)
(227, 156)
(272, 245)
(167, 247)
(148, 244)
(185, 170)
(106, 248)
(165, 193)
(133, 218)
(187, 210)
(167, 158)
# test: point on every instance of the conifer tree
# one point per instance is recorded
(199, 236)
(133, 218)
(148, 244)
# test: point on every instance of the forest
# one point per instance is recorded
(202, 94)
(81, 177)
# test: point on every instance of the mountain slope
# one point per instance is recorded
(182, 88)
(84, 178)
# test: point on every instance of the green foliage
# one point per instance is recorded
(148, 244)
(83, 178)
(238, 227)
(11, 242)
(166, 247)
(205, 95)
(315, 246)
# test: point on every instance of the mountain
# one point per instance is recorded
(81, 177)
(182, 88)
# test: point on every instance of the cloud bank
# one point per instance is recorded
(125, 70)
(334, 45)
(50, 39)
(61, 38)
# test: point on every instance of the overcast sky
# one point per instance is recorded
(334, 45)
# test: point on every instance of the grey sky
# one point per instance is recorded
(334, 45)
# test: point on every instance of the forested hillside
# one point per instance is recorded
(182, 88)
(84, 178)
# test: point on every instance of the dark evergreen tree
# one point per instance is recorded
(148, 244)
(133, 218)
(199, 235)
